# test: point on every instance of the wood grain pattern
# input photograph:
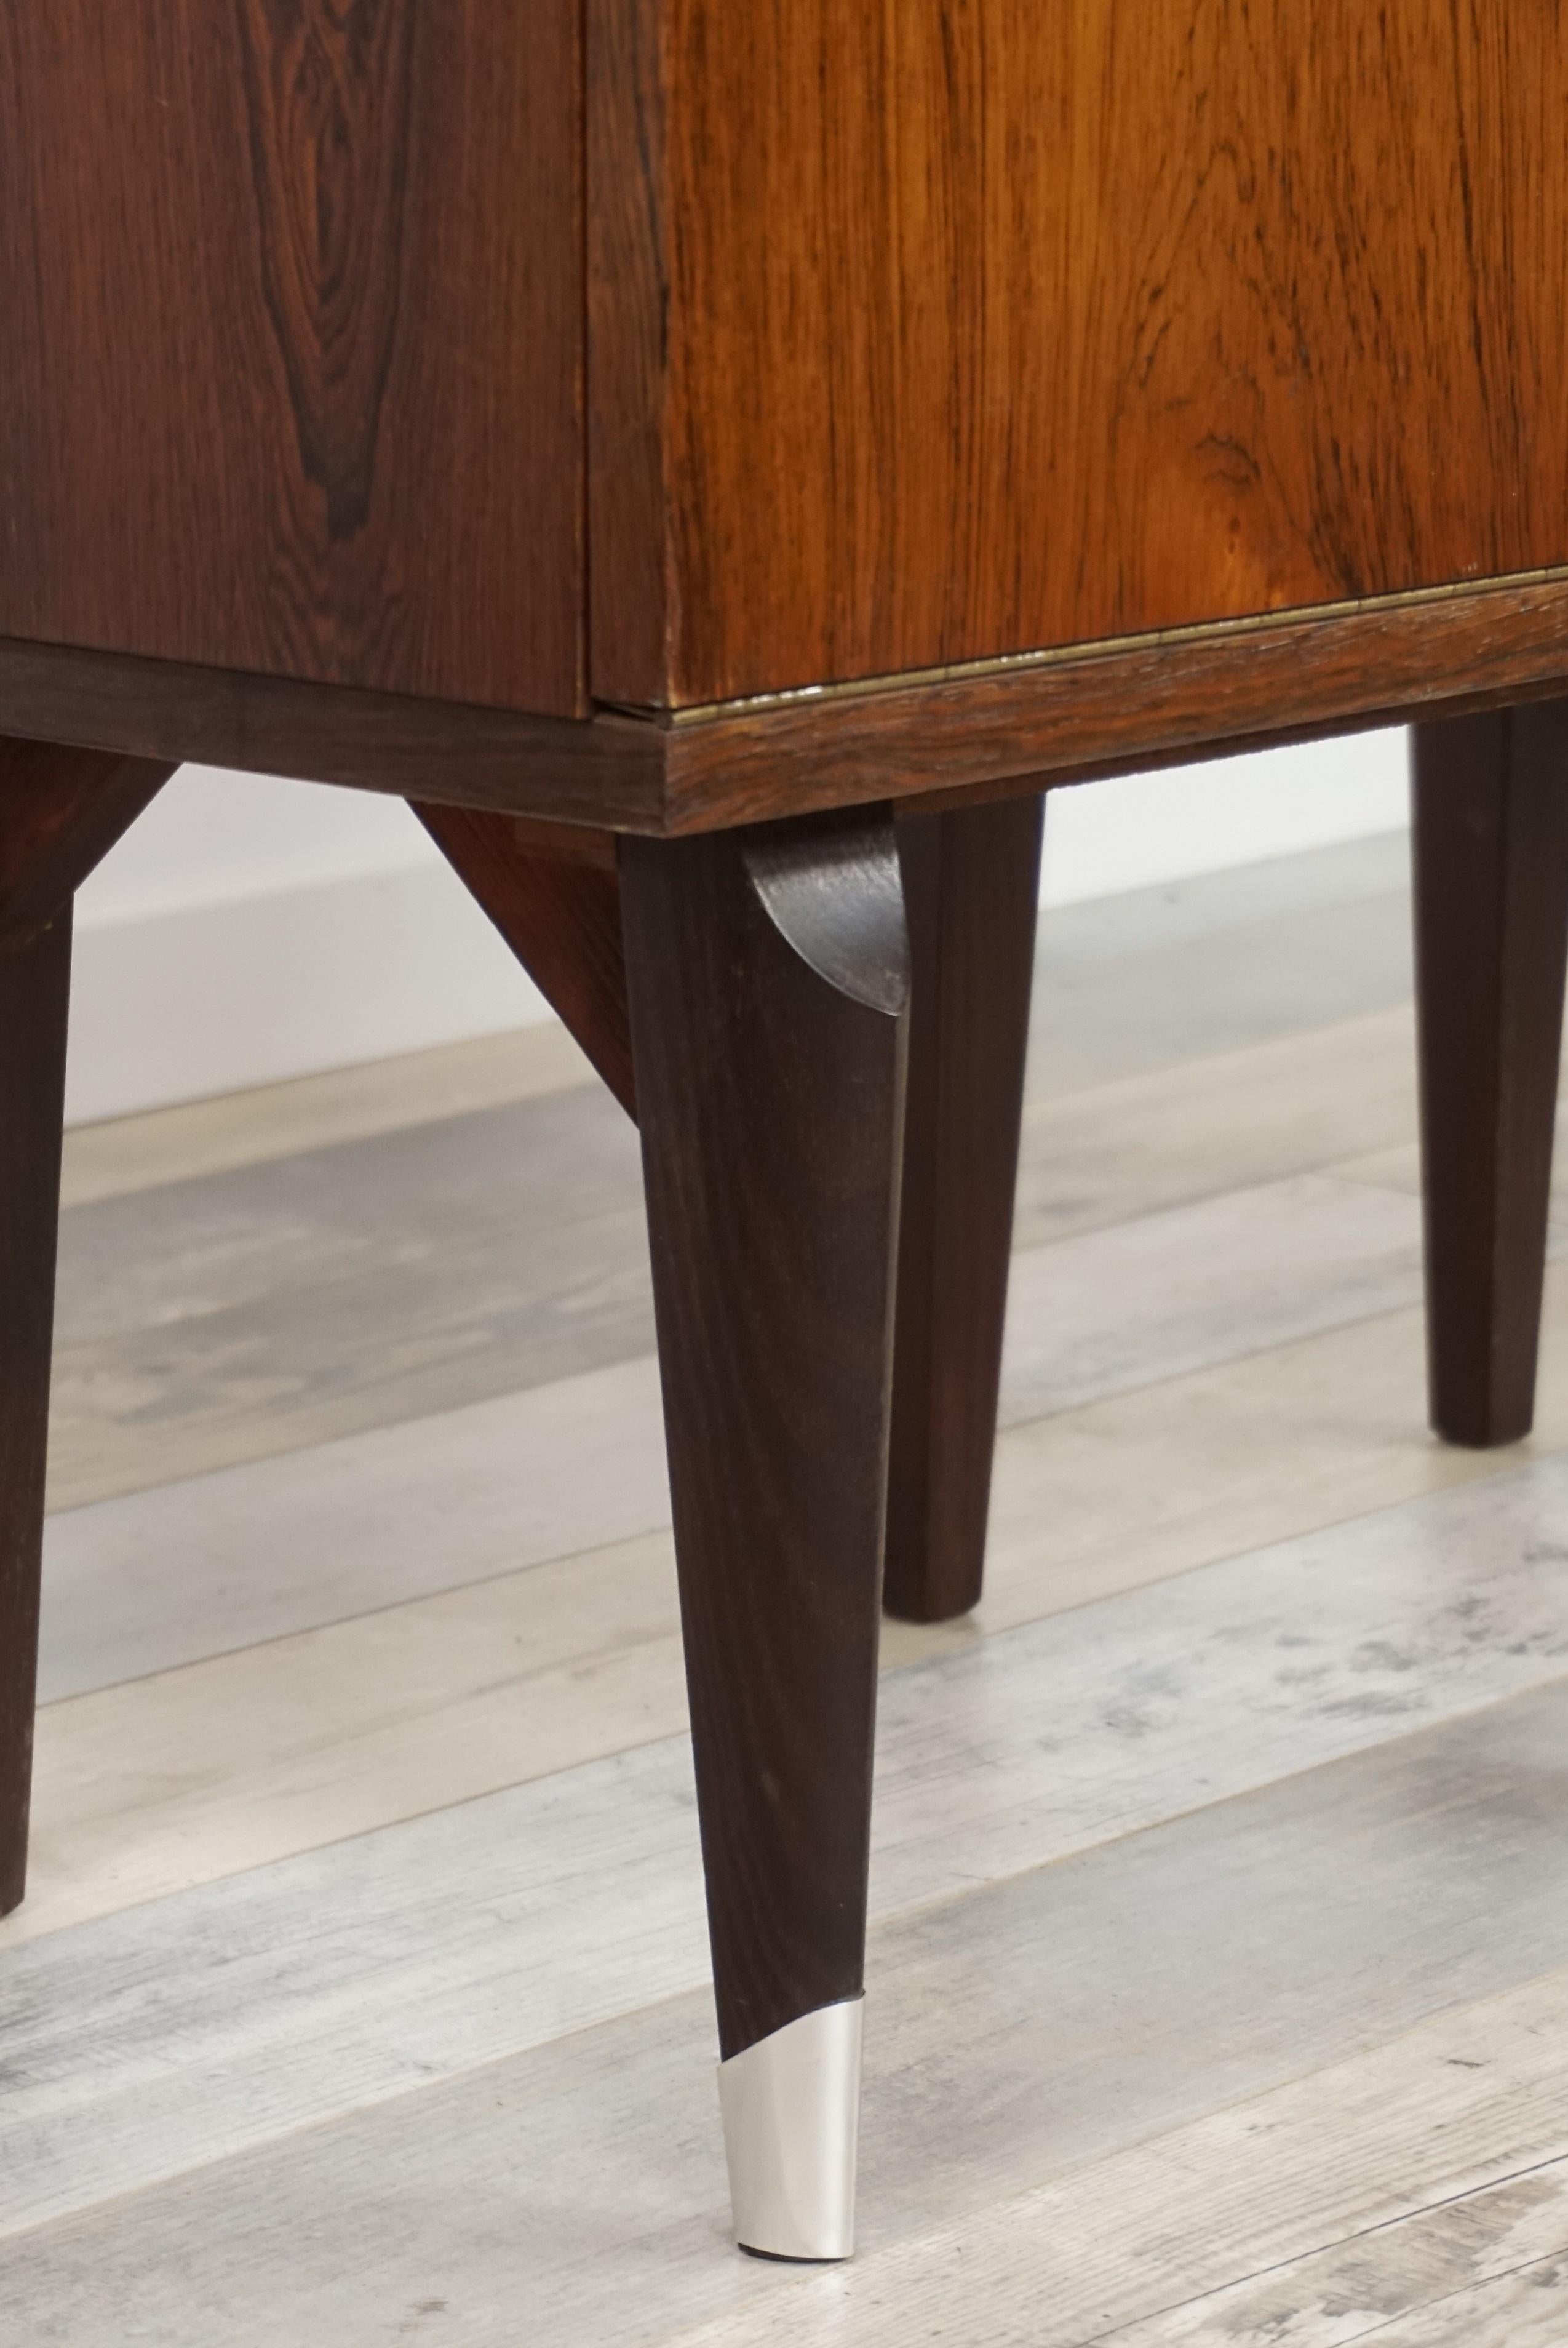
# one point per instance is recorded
(1451, 2264)
(1490, 843)
(319, 1535)
(557, 902)
(386, 1280)
(943, 742)
(1337, 1416)
(34, 998)
(329, 93)
(971, 885)
(218, 1135)
(604, 771)
(1168, 1136)
(293, 293)
(985, 327)
(1215, 1280)
(1519, 2308)
(1148, 703)
(608, 771)
(1190, 971)
(61, 811)
(769, 980)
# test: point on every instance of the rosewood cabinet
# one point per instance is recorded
(724, 465)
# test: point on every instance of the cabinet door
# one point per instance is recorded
(292, 302)
(965, 328)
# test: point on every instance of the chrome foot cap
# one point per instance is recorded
(792, 2120)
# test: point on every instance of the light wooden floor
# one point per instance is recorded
(1219, 1968)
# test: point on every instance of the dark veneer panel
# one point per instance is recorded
(291, 295)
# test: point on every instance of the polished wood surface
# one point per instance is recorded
(937, 742)
(1145, 702)
(769, 980)
(555, 896)
(946, 331)
(948, 335)
(291, 294)
(971, 884)
(1491, 807)
(608, 771)
(61, 811)
(35, 997)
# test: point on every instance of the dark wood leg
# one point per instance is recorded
(768, 980)
(1491, 814)
(60, 811)
(971, 883)
(35, 990)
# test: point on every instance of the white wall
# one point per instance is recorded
(1139, 830)
(249, 930)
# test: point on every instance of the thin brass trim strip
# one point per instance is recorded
(707, 713)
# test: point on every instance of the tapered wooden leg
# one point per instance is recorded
(60, 811)
(35, 990)
(971, 883)
(768, 979)
(1491, 828)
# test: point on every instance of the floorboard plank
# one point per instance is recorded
(1528, 2309)
(1225, 1122)
(199, 1137)
(189, 1571)
(283, 1306)
(1222, 962)
(1399, 1169)
(1152, 1299)
(1434, 2266)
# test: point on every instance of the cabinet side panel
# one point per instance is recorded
(997, 325)
(293, 371)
